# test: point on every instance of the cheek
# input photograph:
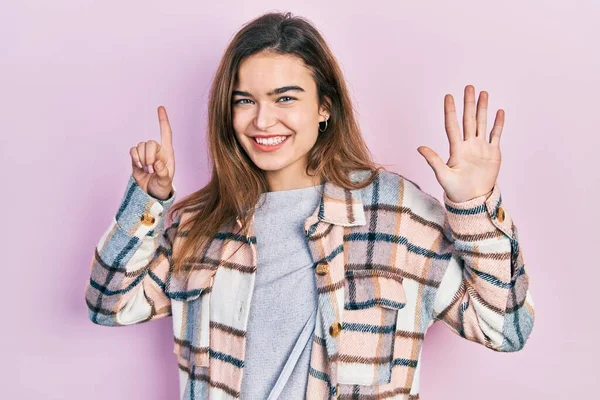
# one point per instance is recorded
(237, 120)
(303, 121)
(240, 125)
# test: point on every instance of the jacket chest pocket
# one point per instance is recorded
(372, 299)
(190, 295)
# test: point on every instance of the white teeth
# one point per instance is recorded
(270, 141)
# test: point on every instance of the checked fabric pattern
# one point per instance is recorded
(390, 261)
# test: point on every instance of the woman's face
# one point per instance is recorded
(275, 99)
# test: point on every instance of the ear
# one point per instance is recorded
(324, 110)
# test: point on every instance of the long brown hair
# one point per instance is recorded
(236, 182)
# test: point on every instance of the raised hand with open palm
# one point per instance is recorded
(153, 163)
(474, 162)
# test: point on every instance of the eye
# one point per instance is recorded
(287, 97)
(240, 101)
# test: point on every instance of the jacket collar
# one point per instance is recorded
(338, 205)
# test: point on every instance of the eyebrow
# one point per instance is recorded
(272, 92)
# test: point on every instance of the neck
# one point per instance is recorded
(290, 178)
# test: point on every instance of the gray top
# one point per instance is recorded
(284, 271)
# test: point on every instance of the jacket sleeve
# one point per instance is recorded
(484, 292)
(131, 262)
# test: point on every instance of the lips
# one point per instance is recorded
(267, 136)
(269, 148)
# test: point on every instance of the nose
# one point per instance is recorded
(265, 117)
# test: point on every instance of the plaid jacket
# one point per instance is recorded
(389, 260)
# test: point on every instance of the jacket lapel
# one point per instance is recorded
(339, 210)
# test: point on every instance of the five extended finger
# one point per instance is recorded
(469, 122)
(497, 129)
(482, 106)
(451, 121)
(166, 135)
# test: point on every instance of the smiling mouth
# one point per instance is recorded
(274, 141)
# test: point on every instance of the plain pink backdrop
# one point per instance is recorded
(80, 82)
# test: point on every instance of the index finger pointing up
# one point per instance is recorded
(165, 129)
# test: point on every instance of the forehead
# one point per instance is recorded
(264, 72)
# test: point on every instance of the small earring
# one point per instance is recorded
(325, 126)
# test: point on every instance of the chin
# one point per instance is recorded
(271, 166)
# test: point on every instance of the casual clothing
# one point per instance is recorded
(284, 272)
(389, 261)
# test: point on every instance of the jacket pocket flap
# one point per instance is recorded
(189, 284)
(367, 288)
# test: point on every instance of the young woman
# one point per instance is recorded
(303, 269)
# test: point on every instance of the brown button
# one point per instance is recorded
(335, 329)
(500, 214)
(147, 218)
(322, 269)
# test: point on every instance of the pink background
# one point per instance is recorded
(80, 82)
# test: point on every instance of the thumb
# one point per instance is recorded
(432, 158)
(161, 170)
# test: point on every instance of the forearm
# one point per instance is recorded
(484, 295)
(131, 262)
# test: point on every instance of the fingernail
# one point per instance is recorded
(139, 164)
(150, 169)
